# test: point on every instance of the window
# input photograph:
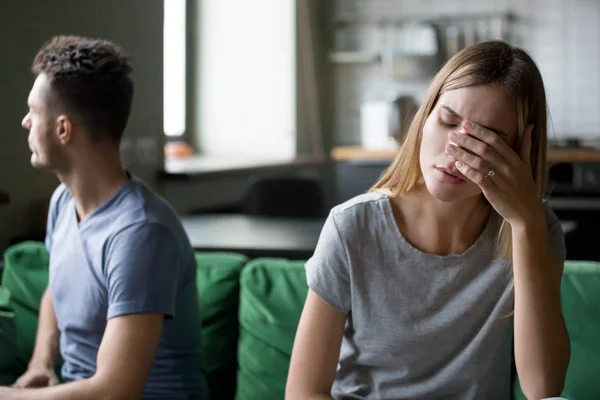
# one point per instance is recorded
(245, 74)
(174, 66)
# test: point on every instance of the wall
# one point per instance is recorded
(561, 36)
(26, 24)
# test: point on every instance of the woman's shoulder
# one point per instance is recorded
(367, 209)
(556, 235)
(363, 203)
(552, 220)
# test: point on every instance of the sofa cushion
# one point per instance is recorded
(580, 297)
(8, 336)
(218, 280)
(26, 323)
(25, 275)
(272, 295)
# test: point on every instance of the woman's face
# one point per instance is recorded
(488, 106)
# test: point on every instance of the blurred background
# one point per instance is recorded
(272, 111)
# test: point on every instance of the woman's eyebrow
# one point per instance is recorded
(455, 114)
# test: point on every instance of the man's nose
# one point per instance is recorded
(25, 123)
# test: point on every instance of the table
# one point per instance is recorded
(253, 236)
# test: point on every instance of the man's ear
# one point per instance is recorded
(64, 129)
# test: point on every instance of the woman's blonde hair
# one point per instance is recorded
(486, 63)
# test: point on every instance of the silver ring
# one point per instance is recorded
(490, 174)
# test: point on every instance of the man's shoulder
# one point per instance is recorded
(148, 205)
(149, 243)
(59, 198)
(137, 220)
(148, 224)
(139, 210)
(150, 228)
(58, 201)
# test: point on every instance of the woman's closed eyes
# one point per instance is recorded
(446, 125)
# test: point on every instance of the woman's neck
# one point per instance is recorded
(438, 227)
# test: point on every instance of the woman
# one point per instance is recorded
(416, 288)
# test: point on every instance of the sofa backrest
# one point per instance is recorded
(272, 294)
(8, 338)
(580, 297)
(218, 281)
(25, 276)
(263, 299)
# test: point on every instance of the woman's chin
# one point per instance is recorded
(448, 192)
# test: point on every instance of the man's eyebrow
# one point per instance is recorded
(455, 114)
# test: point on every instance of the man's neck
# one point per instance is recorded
(93, 182)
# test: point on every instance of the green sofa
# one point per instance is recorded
(250, 312)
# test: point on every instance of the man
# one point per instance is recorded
(122, 297)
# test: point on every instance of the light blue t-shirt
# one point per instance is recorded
(129, 256)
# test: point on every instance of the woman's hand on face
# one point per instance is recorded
(504, 176)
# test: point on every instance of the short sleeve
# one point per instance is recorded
(556, 236)
(327, 271)
(142, 271)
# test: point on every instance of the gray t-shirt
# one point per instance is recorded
(129, 256)
(419, 325)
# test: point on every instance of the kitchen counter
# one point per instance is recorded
(357, 153)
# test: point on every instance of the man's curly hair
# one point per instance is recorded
(91, 78)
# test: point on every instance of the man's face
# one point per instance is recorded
(40, 121)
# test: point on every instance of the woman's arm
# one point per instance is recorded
(316, 351)
(541, 339)
(542, 349)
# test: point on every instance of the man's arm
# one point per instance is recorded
(45, 351)
(40, 371)
(124, 361)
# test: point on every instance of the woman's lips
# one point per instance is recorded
(446, 176)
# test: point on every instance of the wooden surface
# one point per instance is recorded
(573, 155)
(357, 153)
(225, 165)
(253, 236)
